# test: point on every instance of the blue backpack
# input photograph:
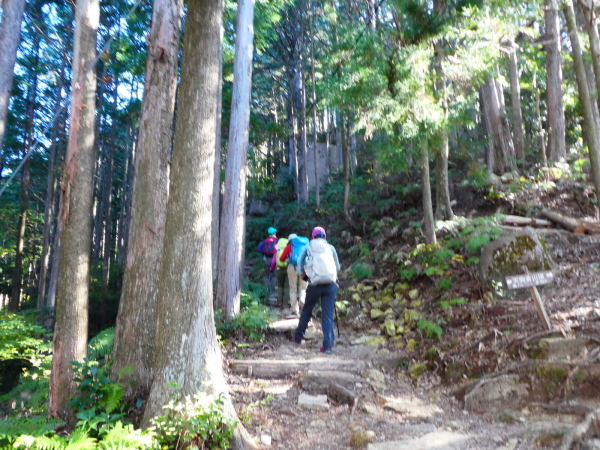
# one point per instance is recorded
(298, 244)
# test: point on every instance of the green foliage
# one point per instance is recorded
(448, 304)
(20, 337)
(430, 329)
(251, 323)
(99, 401)
(119, 437)
(360, 271)
(12, 428)
(246, 412)
(101, 344)
(445, 284)
(194, 422)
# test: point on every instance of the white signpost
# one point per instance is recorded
(531, 280)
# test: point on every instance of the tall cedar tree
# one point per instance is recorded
(75, 215)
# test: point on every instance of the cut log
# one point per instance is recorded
(284, 325)
(284, 368)
(575, 225)
(525, 221)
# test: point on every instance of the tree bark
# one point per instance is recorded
(515, 102)
(75, 224)
(136, 321)
(443, 207)
(346, 166)
(190, 356)
(216, 205)
(428, 220)
(10, 36)
(229, 285)
(50, 193)
(589, 124)
(591, 25)
(17, 284)
(501, 151)
(314, 112)
(557, 149)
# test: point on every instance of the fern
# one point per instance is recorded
(101, 344)
(430, 329)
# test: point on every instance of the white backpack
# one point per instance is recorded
(320, 264)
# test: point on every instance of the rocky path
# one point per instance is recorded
(290, 398)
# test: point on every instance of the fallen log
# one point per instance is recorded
(575, 225)
(284, 325)
(525, 221)
(284, 368)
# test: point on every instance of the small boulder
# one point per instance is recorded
(360, 439)
(313, 401)
(495, 392)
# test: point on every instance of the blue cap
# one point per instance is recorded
(271, 230)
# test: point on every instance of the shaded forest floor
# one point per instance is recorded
(496, 379)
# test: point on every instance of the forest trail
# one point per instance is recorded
(497, 379)
(288, 395)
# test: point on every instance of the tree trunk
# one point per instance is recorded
(17, 283)
(50, 193)
(75, 224)
(557, 149)
(189, 355)
(314, 113)
(501, 148)
(346, 165)
(515, 102)
(539, 119)
(589, 124)
(443, 207)
(591, 25)
(108, 200)
(10, 36)
(216, 205)
(428, 220)
(136, 321)
(231, 265)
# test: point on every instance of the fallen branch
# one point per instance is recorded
(580, 432)
(575, 225)
(564, 408)
(284, 368)
(525, 221)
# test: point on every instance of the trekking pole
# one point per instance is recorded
(337, 320)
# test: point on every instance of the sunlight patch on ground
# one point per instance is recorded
(411, 407)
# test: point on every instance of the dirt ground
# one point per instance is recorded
(495, 339)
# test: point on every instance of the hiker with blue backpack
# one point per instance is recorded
(297, 285)
(320, 264)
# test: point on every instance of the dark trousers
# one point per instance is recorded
(314, 293)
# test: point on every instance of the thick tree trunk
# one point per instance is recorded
(75, 224)
(589, 123)
(189, 355)
(557, 149)
(10, 36)
(428, 220)
(136, 321)
(231, 264)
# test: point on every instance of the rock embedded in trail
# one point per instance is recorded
(495, 392)
(318, 402)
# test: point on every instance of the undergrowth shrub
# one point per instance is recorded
(253, 321)
(194, 422)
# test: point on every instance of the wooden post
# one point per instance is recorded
(539, 304)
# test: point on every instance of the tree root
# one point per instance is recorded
(577, 434)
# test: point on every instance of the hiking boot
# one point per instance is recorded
(325, 350)
(297, 343)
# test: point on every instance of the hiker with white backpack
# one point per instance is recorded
(297, 285)
(319, 262)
